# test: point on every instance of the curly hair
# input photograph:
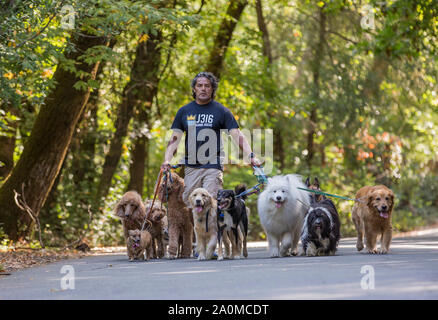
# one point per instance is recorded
(210, 76)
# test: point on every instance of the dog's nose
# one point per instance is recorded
(198, 201)
(278, 198)
(384, 207)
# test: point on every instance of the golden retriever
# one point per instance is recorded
(372, 217)
(204, 208)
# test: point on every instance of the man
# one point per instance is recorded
(202, 120)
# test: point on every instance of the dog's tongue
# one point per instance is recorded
(278, 204)
(135, 245)
(198, 209)
(384, 215)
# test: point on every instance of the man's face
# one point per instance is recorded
(203, 90)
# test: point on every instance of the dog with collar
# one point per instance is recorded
(232, 218)
(204, 208)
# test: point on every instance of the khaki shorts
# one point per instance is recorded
(210, 179)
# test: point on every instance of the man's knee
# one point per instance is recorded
(214, 182)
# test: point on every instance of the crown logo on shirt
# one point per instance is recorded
(191, 117)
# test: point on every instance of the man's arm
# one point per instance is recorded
(243, 144)
(172, 146)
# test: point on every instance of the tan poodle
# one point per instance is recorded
(179, 216)
(131, 210)
(159, 224)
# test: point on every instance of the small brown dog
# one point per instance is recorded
(131, 210)
(156, 217)
(139, 243)
(372, 216)
(204, 208)
(179, 217)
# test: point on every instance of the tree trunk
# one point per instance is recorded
(137, 94)
(139, 156)
(7, 145)
(279, 155)
(48, 143)
(318, 54)
(267, 51)
(224, 36)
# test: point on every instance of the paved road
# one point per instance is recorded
(410, 271)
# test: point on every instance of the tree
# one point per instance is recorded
(224, 35)
(47, 145)
(137, 95)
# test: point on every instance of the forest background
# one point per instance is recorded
(89, 89)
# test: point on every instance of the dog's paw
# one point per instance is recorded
(274, 253)
(372, 251)
(220, 258)
(236, 257)
(383, 251)
(359, 246)
(171, 256)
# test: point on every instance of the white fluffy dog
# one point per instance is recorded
(282, 208)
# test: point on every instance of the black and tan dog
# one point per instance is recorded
(233, 218)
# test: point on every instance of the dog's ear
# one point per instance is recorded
(391, 196)
(120, 210)
(308, 182)
(148, 224)
(140, 211)
(370, 199)
(316, 182)
(180, 189)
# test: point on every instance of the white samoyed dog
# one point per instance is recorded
(282, 208)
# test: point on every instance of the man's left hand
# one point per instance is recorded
(256, 162)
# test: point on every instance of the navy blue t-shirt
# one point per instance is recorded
(202, 125)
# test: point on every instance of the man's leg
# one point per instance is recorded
(192, 180)
(213, 181)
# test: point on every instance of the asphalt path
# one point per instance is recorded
(409, 271)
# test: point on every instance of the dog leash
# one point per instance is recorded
(250, 191)
(330, 195)
(157, 184)
(261, 178)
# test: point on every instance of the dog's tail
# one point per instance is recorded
(239, 189)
